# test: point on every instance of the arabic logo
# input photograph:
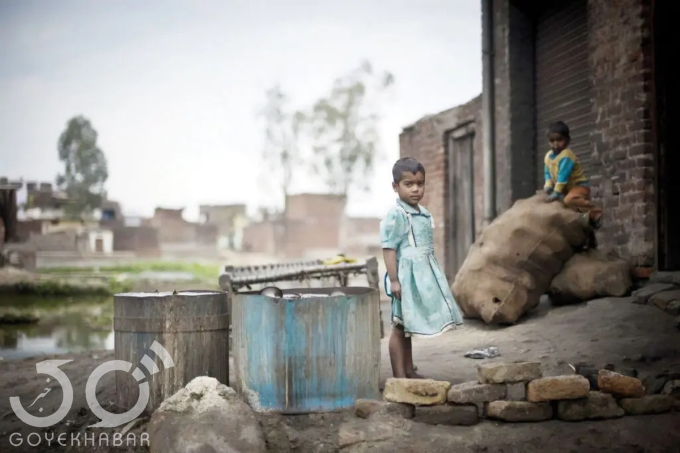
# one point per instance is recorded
(50, 368)
(108, 419)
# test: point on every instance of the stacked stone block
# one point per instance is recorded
(518, 392)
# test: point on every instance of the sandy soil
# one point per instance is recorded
(607, 331)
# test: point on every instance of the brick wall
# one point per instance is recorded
(142, 240)
(426, 141)
(620, 58)
(623, 152)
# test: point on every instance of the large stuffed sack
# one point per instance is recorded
(512, 263)
(591, 275)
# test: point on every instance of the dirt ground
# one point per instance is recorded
(607, 331)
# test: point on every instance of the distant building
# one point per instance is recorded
(313, 226)
(111, 214)
(230, 222)
(42, 202)
(173, 229)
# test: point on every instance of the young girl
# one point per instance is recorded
(422, 303)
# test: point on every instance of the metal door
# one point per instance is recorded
(562, 80)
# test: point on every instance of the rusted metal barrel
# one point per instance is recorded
(314, 353)
(171, 338)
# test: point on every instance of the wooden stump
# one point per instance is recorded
(172, 338)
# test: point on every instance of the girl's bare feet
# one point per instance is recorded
(415, 375)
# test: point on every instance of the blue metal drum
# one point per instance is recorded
(306, 351)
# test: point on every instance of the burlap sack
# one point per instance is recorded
(516, 257)
(591, 275)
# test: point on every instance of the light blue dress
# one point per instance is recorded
(427, 306)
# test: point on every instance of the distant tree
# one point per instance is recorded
(344, 127)
(282, 134)
(85, 168)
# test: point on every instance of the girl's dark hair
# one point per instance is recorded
(559, 128)
(406, 164)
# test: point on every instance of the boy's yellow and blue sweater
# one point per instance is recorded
(563, 171)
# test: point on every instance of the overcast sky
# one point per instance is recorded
(173, 87)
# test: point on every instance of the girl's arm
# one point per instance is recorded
(390, 257)
(393, 231)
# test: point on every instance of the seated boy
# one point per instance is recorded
(564, 177)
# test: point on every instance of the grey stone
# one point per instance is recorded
(448, 414)
(474, 392)
(654, 384)
(516, 392)
(596, 406)
(671, 388)
(205, 416)
(519, 411)
(673, 308)
(642, 295)
(650, 404)
(662, 299)
(364, 408)
(508, 373)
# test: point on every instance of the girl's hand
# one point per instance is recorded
(395, 289)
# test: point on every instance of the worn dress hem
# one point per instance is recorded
(451, 326)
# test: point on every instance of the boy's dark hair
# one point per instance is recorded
(406, 164)
(559, 128)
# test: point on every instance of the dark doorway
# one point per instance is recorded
(666, 87)
(461, 206)
(98, 245)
